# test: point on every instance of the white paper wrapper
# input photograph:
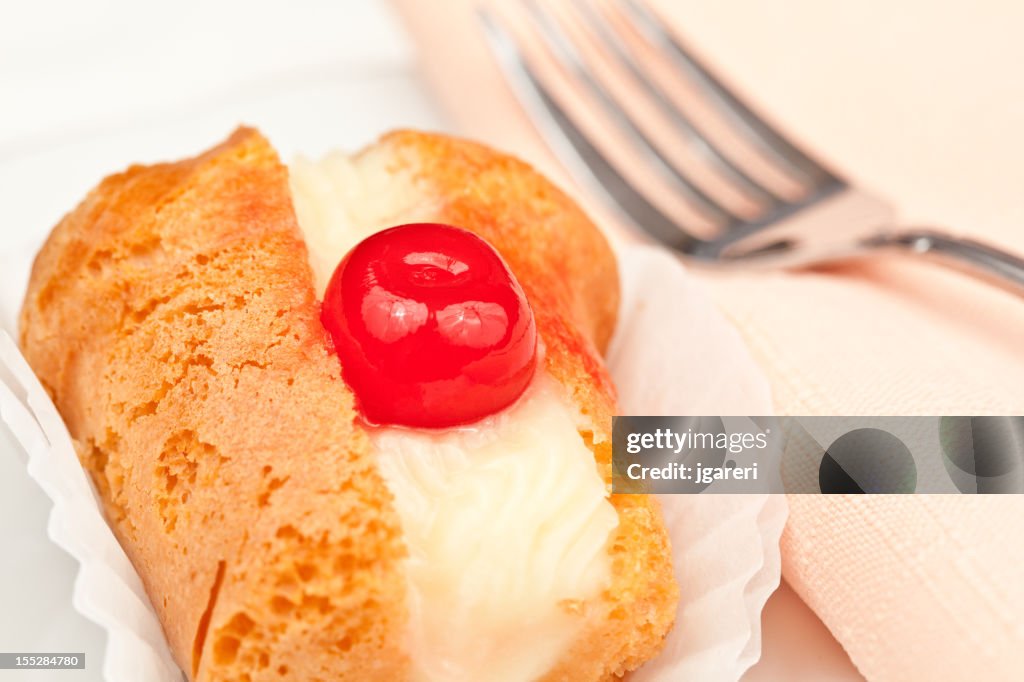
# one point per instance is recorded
(673, 354)
(107, 590)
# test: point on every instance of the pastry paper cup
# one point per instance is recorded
(673, 354)
(107, 589)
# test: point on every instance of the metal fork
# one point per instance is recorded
(828, 219)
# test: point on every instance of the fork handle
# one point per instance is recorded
(975, 258)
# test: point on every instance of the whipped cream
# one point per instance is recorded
(507, 525)
(506, 521)
(341, 200)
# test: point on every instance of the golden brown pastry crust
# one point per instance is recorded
(172, 317)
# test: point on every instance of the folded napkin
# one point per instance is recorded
(915, 587)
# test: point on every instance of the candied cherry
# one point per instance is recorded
(431, 327)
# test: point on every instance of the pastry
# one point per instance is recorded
(292, 514)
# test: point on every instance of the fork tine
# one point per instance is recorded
(748, 123)
(707, 149)
(584, 160)
(561, 46)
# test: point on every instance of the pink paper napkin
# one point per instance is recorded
(916, 588)
(922, 103)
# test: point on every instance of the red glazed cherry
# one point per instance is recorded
(431, 327)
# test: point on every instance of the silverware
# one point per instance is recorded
(822, 218)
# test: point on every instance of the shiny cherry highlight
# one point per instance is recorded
(431, 327)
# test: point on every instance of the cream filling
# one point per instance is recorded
(340, 200)
(507, 525)
(506, 521)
